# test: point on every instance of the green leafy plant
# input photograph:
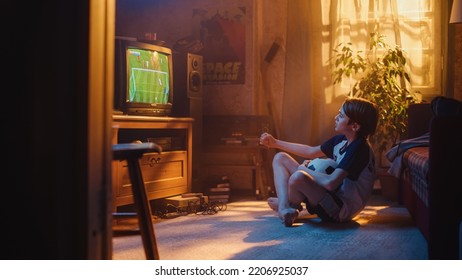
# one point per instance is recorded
(380, 76)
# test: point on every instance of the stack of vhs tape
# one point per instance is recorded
(221, 191)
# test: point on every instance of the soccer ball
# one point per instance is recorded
(323, 165)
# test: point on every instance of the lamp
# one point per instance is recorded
(456, 12)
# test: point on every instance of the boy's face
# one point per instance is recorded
(342, 122)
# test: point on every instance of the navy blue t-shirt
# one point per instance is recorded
(352, 158)
(357, 159)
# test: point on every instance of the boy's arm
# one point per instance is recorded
(328, 181)
(301, 150)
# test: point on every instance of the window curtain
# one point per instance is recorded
(310, 101)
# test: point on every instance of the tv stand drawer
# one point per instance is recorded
(165, 174)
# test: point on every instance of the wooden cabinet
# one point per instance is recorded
(242, 164)
(166, 174)
(231, 149)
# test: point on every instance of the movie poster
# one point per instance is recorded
(222, 32)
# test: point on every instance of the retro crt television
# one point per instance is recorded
(143, 78)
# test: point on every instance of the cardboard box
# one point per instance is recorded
(180, 201)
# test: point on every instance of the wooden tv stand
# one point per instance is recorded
(166, 174)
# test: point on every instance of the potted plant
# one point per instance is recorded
(380, 76)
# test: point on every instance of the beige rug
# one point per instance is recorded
(249, 230)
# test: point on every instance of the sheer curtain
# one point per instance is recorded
(314, 28)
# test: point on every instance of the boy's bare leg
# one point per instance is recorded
(283, 167)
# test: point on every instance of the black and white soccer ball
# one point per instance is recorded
(323, 165)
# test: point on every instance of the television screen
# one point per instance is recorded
(143, 78)
(148, 76)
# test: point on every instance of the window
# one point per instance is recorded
(412, 24)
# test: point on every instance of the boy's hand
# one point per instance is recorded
(267, 140)
(304, 165)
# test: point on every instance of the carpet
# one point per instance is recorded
(250, 230)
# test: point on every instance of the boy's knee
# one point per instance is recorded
(279, 158)
(299, 178)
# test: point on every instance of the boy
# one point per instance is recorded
(338, 196)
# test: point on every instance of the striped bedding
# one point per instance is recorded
(415, 172)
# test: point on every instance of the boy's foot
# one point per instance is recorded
(273, 203)
(289, 217)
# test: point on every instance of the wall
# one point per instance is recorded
(178, 19)
(271, 29)
(265, 23)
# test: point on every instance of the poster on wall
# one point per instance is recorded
(222, 32)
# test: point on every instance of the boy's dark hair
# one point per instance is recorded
(362, 112)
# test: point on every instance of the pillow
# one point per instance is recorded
(445, 106)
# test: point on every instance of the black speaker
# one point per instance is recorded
(187, 84)
(187, 102)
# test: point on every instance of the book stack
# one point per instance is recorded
(221, 191)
